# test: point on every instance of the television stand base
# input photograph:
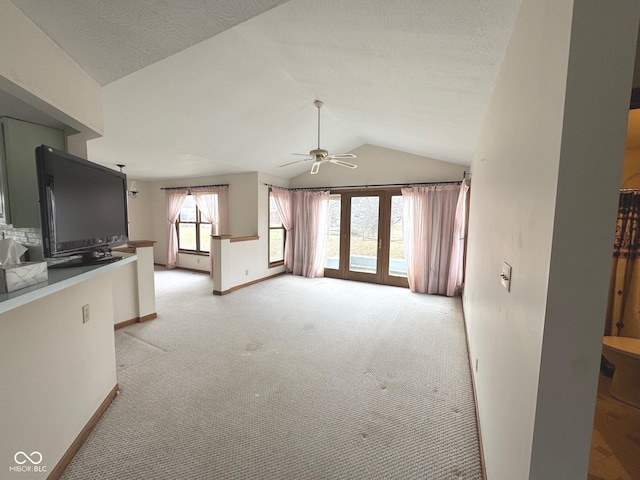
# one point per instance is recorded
(85, 262)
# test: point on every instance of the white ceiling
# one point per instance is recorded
(203, 88)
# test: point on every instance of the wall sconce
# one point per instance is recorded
(133, 189)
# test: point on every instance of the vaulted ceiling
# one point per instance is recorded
(203, 88)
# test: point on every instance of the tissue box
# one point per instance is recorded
(22, 275)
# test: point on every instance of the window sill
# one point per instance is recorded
(276, 264)
(191, 252)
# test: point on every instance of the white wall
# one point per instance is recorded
(242, 215)
(545, 178)
(377, 165)
(243, 204)
(55, 371)
(248, 215)
(38, 72)
(140, 211)
(250, 260)
(125, 293)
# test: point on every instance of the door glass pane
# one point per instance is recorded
(332, 258)
(397, 262)
(363, 243)
(205, 237)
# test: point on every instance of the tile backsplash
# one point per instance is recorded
(29, 237)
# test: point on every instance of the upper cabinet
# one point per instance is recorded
(19, 185)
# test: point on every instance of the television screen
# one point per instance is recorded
(83, 205)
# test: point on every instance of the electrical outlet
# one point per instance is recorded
(476, 365)
(85, 313)
(246, 272)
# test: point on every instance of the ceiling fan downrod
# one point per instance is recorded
(318, 104)
(319, 155)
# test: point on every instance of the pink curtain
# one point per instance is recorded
(283, 201)
(456, 265)
(429, 215)
(209, 201)
(174, 200)
(309, 232)
(304, 217)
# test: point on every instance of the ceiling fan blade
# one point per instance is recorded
(343, 155)
(292, 163)
(342, 164)
(315, 168)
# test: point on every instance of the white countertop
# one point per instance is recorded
(59, 279)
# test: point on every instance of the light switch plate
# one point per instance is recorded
(505, 277)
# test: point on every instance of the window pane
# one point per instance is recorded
(363, 250)
(188, 212)
(187, 236)
(205, 237)
(274, 216)
(276, 245)
(332, 258)
(397, 262)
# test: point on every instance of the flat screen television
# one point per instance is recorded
(83, 207)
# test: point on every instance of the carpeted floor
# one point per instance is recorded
(291, 378)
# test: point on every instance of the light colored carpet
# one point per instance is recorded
(291, 378)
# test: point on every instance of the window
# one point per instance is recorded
(194, 235)
(277, 234)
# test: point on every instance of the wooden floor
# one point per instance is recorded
(615, 445)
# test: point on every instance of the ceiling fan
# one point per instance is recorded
(319, 155)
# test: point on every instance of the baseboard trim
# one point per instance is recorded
(82, 436)
(134, 320)
(146, 318)
(126, 323)
(253, 282)
(195, 270)
(475, 394)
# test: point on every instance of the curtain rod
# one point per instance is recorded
(457, 182)
(624, 190)
(194, 186)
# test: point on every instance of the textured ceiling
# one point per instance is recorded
(111, 39)
(410, 75)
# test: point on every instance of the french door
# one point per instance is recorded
(365, 241)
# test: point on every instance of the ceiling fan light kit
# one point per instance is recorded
(320, 155)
